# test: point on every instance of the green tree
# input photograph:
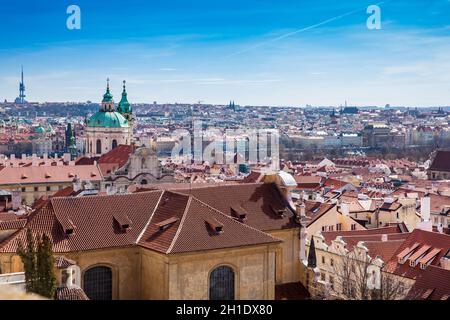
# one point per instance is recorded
(28, 255)
(38, 261)
(45, 270)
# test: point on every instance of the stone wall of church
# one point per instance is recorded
(106, 136)
(125, 266)
(188, 274)
(287, 256)
(139, 273)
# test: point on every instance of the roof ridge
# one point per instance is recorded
(108, 195)
(15, 234)
(381, 241)
(150, 219)
(211, 185)
(180, 226)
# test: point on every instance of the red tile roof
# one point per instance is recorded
(441, 161)
(373, 240)
(118, 155)
(253, 177)
(92, 220)
(50, 174)
(87, 223)
(63, 262)
(12, 224)
(384, 249)
(74, 293)
(4, 216)
(191, 232)
(258, 199)
(422, 238)
(432, 284)
(314, 210)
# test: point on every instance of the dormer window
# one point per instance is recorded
(239, 213)
(215, 226)
(163, 225)
(68, 231)
(123, 221)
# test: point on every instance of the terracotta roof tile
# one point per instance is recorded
(88, 223)
(63, 263)
(441, 161)
(92, 219)
(258, 199)
(24, 175)
(432, 240)
(73, 293)
(118, 155)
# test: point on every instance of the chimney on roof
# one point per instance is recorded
(13, 161)
(445, 262)
(384, 237)
(34, 160)
(16, 199)
(110, 190)
(66, 157)
(425, 223)
(76, 184)
(345, 209)
(301, 210)
(440, 228)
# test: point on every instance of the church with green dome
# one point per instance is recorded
(109, 127)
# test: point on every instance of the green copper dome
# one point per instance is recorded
(39, 129)
(124, 106)
(108, 119)
(107, 97)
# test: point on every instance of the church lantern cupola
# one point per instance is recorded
(124, 106)
(107, 102)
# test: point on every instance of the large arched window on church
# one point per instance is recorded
(114, 143)
(99, 146)
(97, 282)
(221, 284)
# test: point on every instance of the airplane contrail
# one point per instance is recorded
(300, 30)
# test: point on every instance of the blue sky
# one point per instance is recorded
(220, 50)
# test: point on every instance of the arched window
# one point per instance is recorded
(142, 163)
(221, 284)
(99, 147)
(98, 283)
(114, 143)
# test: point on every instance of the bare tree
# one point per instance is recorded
(354, 278)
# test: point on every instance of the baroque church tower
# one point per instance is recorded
(108, 127)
